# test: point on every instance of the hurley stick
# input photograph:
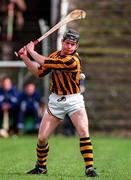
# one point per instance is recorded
(74, 15)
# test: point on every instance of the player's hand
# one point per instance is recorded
(30, 47)
(22, 52)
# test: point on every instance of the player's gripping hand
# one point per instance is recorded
(30, 47)
(22, 52)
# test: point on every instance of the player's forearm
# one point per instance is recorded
(30, 66)
(37, 57)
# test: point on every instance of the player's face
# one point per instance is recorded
(68, 47)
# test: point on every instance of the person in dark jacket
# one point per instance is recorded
(8, 104)
(29, 104)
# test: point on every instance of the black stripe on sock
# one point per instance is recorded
(85, 144)
(87, 151)
(84, 138)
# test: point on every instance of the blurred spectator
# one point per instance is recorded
(23, 17)
(11, 19)
(8, 105)
(11, 25)
(29, 106)
(36, 10)
(69, 129)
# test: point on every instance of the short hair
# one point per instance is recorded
(71, 35)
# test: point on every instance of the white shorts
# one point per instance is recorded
(59, 106)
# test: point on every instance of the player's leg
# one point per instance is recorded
(48, 124)
(80, 121)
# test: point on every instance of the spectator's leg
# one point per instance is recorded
(69, 129)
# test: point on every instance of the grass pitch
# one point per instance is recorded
(112, 158)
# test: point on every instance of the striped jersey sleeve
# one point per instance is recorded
(65, 72)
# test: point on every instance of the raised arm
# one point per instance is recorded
(40, 59)
(32, 67)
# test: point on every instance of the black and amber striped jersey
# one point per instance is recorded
(65, 73)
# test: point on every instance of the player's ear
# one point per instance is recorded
(77, 45)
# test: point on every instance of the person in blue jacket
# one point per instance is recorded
(29, 105)
(8, 104)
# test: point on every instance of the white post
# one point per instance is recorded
(63, 12)
(45, 45)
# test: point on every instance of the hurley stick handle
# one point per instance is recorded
(74, 15)
(19, 54)
(6, 120)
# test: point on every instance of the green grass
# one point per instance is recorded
(112, 158)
